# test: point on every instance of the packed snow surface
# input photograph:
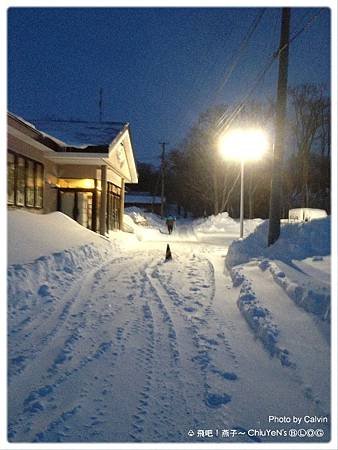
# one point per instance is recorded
(108, 342)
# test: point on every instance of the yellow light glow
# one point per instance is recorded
(244, 145)
(88, 183)
(74, 183)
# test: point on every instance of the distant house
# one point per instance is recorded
(78, 168)
(143, 200)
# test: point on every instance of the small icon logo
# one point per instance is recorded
(301, 432)
(191, 433)
(319, 432)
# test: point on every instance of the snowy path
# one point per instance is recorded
(142, 350)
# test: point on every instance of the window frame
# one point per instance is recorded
(36, 164)
(36, 185)
(11, 203)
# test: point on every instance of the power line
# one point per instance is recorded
(201, 77)
(307, 25)
(237, 57)
(240, 106)
(241, 49)
(224, 122)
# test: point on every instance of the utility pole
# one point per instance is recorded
(163, 144)
(277, 165)
(101, 103)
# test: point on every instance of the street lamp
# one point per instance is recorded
(243, 145)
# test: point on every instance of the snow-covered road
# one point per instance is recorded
(139, 349)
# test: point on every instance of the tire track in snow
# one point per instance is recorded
(45, 354)
(145, 363)
(198, 398)
(138, 350)
(207, 334)
(42, 341)
(123, 333)
(167, 385)
(76, 325)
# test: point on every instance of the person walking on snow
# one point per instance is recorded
(170, 223)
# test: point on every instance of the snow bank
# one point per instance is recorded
(145, 225)
(223, 223)
(30, 283)
(313, 299)
(45, 248)
(33, 235)
(258, 317)
(140, 217)
(297, 241)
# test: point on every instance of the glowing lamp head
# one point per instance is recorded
(244, 145)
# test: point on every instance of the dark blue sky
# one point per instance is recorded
(158, 67)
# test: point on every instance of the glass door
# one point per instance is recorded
(78, 205)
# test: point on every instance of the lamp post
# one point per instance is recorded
(243, 145)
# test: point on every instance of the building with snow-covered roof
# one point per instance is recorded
(76, 167)
(143, 200)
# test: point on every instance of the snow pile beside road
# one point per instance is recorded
(220, 222)
(33, 235)
(145, 219)
(29, 284)
(145, 226)
(297, 241)
(45, 248)
(223, 223)
(313, 298)
(134, 215)
(258, 317)
(299, 263)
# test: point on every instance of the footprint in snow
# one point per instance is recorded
(194, 289)
(229, 376)
(199, 320)
(209, 341)
(217, 400)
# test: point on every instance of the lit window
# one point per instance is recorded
(24, 181)
(30, 183)
(74, 183)
(20, 182)
(38, 186)
(11, 179)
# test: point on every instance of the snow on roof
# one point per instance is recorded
(78, 133)
(142, 199)
(15, 116)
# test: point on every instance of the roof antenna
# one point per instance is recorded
(100, 103)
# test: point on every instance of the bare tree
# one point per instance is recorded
(310, 120)
(207, 182)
